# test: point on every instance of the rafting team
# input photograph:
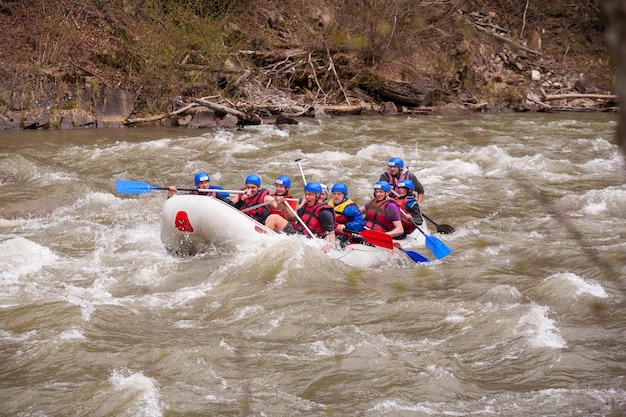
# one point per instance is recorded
(394, 210)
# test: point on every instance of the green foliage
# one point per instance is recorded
(379, 30)
(169, 46)
(70, 105)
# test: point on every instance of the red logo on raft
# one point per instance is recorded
(259, 229)
(182, 222)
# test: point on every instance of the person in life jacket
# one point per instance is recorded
(396, 172)
(347, 213)
(318, 217)
(382, 214)
(255, 196)
(409, 207)
(281, 194)
(203, 182)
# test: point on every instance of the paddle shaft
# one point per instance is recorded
(441, 228)
(301, 171)
(203, 190)
(247, 209)
(300, 220)
(140, 187)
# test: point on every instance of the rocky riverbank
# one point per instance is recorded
(476, 57)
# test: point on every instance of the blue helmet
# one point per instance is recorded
(313, 187)
(383, 185)
(201, 176)
(396, 162)
(253, 179)
(340, 188)
(283, 180)
(407, 184)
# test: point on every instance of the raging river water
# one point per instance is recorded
(525, 317)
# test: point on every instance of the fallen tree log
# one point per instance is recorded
(159, 116)
(570, 96)
(244, 118)
(421, 92)
(507, 40)
(343, 109)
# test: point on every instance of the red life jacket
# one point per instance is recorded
(281, 212)
(260, 213)
(310, 215)
(376, 217)
(408, 226)
(393, 181)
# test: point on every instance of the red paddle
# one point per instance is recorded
(376, 238)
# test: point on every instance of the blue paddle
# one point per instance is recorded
(415, 257)
(138, 187)
(436, 246)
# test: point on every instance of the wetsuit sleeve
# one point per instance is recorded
(327, 220)
(356, 223)
(384, 177)
(220, 196)
(413, 207)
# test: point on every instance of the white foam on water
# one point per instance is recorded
(20, 256)
(393, 406)
(72, 334)
(9, 336)
(579, 284)
(539, 330)
(10, 223)
(611, 200)
(86, 307)
(145, 392)
(180, 298)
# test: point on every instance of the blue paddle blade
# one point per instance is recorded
(133, 187)
(437, 247)
(415, 257)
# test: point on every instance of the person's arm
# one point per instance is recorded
(393, 214)
(327, 220)
(413, 208)
(271, 200)
(172, 191)
(397, 230)
(238, 197)
(282, 205)
(356, 223)
(220, 196)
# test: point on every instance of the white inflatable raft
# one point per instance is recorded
(191, 224)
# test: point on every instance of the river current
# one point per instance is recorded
(526, 316)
